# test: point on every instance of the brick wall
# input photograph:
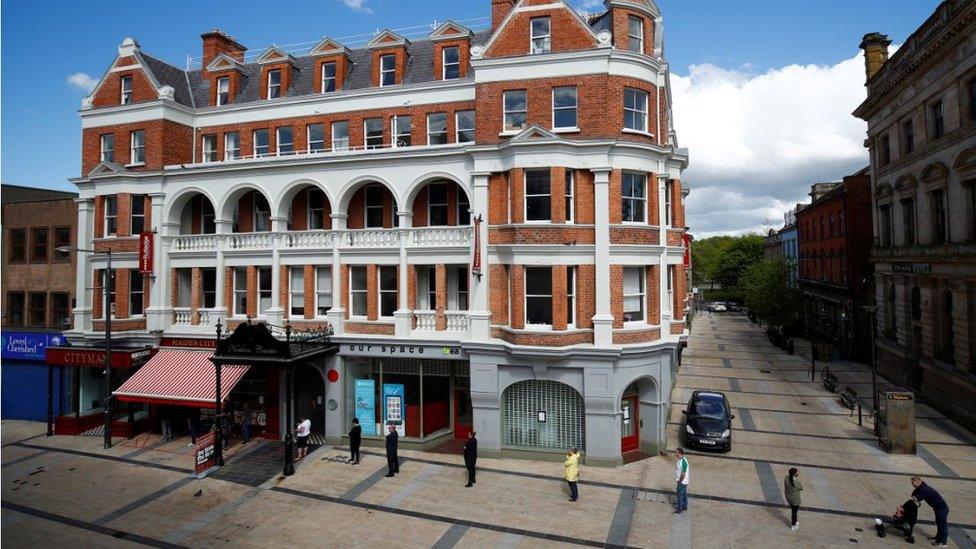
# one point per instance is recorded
(566, 30)
(498, 298)
(166, 143)
(110, 92)
(621, 25)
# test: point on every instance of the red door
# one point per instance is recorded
(629, 424)
(462, 414)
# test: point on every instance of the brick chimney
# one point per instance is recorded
(216, 42)
(499, 9)
(875, 46)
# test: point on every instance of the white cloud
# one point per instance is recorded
(81, 81)
(357, 5)
(758, 141)
(591, 6)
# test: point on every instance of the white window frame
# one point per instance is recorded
(646, 217)
(308, 138)
(278, 131)
(367, 206)
(641, 113)
(387, 70)
(335, 71)
(125, 90)
(137, 145)
(239, 292)
(397, 133)
(353, 291)
(506, 112)
(342, 143)
(641, 293)
(458, 129)
(526, 195)
(209, 152)
(544, 40)
(322, 294)
(668, 203)
(366, 136)
(133, 200)
(274, 85)
(254, 143)
(114, 199)
(571, 297)
(525, 300)
(136, 290)
(463, 208)
(110, 150)
(570, 196)
(574, 108)
(430, 133)
(445, 64)
(262, 292)
(669, 283)
(457, 274)
(631, 38)
(232, 153)
(309, 210)
(380, 291)
(296, 291)
(431, 205)
(426, 288)
(223, 91)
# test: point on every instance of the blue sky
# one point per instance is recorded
(45, 42)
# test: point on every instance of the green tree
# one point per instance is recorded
(741, 253)
(765, 288)
(705, 257)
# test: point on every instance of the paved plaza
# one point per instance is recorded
(61, 491)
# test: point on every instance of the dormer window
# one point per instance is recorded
(540, 37)
(223, 90)
(451, 63)
(635, 34)
(274, 84)
(126, 87)
(387, 70)
(328, 77)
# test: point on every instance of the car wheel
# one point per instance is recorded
(729, 448)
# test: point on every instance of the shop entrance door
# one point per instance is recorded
(629, 424)
(462, 414)
(309, 388)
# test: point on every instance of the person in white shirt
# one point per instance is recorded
(302, 432)
(681, 472)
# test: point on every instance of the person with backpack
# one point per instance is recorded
(792, 488)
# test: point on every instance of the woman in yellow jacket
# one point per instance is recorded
(572, 473)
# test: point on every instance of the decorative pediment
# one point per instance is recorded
(274, 55)
(328, 46)
(506, 36)
(386, 39)
(883, 191)
(965, 164)
(449, 30)
(534, 132)
(935, 174)
(223, 62)
(107, 168)
(906, 184)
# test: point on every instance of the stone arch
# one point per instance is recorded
(883, 192)
(935, 174)
(414, 188)
(906, 185)
(965, 164)
(173, 212)
(284, 199)
(650, 419)
(418, 191)
(225, 209)
(564, 422)
(350, 188)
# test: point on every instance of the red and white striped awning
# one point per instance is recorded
(180, 378)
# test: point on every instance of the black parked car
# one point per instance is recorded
(708, 421)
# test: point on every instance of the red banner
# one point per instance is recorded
(476, 257)
(205, 456)
(95, 358)
(687, 242)
(146, 253)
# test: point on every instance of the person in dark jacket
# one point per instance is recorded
(924, 492)
(903, 521)
(392, 439)
(471, 457)
(792, 489)
(355, 439)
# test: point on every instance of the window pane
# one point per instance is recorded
(536, 182)
(316, 137)
(538, 281)
(358, 278)
(515, 101)
(261, 142)
(374, 132)
(465, 126)
(284, 138)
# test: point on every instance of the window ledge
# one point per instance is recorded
(637, 325)
(135, 164)
(510, 133)
(638, 132)
(572, 129)
(537, 328)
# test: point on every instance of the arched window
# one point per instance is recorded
(542, 414)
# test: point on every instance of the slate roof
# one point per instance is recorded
(10, 194)
(192, 89)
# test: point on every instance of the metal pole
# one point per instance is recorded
(108, 352)
(289, 468)
(61, 390)
(874, 375)
(50, 400)
(218, 433)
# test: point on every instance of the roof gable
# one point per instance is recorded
(449, 30)
(328, 46)
(529, 9)
(534, 133)
(107, 168)
(223, 62)
(274, 55)
(387, 38)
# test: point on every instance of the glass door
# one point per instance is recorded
(629, 424)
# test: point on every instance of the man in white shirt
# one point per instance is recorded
(302, 432)
(681, 472)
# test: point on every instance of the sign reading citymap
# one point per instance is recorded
(204, 456)
(95, 358)
(366, 405)
(394, 408)
(452, 352)
(146, 252)
(28, 345)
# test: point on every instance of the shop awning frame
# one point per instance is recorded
(180, 378)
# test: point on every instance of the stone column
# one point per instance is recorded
(337, 315)
(159, 314)
(83, 279)
(276, 314)
(480, 313)
(603, 319)
(440, 293)
(403, 316)
(223, 227)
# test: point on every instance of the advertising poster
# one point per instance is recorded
(205, 457)
(366, 405)
(28, 345)
(394, 408)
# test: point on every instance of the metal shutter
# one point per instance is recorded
(563, 405)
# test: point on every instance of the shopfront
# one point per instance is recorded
(423, 390)
(25, 376)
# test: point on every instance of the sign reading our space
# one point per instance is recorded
(445, 352)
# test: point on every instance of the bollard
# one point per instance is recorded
(859, 421)
(789, 346)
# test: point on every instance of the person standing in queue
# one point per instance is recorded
(791, 489)
(302, 433)
(471, 457)
(392, 439)
(681, 474)
(572, 473)
(355, 440)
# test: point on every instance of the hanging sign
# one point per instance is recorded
(394, 408)
(476, 255)
(146, 253)
(366, 405)
(686, 240)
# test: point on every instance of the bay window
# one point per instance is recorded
(537, 195)
(633, 193)
(538, 296)
(635, 34)
(635, 110)
(635, 297)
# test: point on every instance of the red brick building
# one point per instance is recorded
(507, 197)
(834, 234)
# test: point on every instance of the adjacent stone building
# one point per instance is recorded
(921, 115)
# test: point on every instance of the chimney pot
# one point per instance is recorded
(875, 46)
(216, 42)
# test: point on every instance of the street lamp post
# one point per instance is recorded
(289, 467)
(108, 338)
(872, 311)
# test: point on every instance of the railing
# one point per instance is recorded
(206, 317)
(373, 238)
(417, 237)
(334, 149)
(250, 241)
(306, 239)
(182, 316)
(194, 243)
(441, 236)
(426, 321)
(457, 321)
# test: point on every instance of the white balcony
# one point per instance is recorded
(183, 320)
(455, 326)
